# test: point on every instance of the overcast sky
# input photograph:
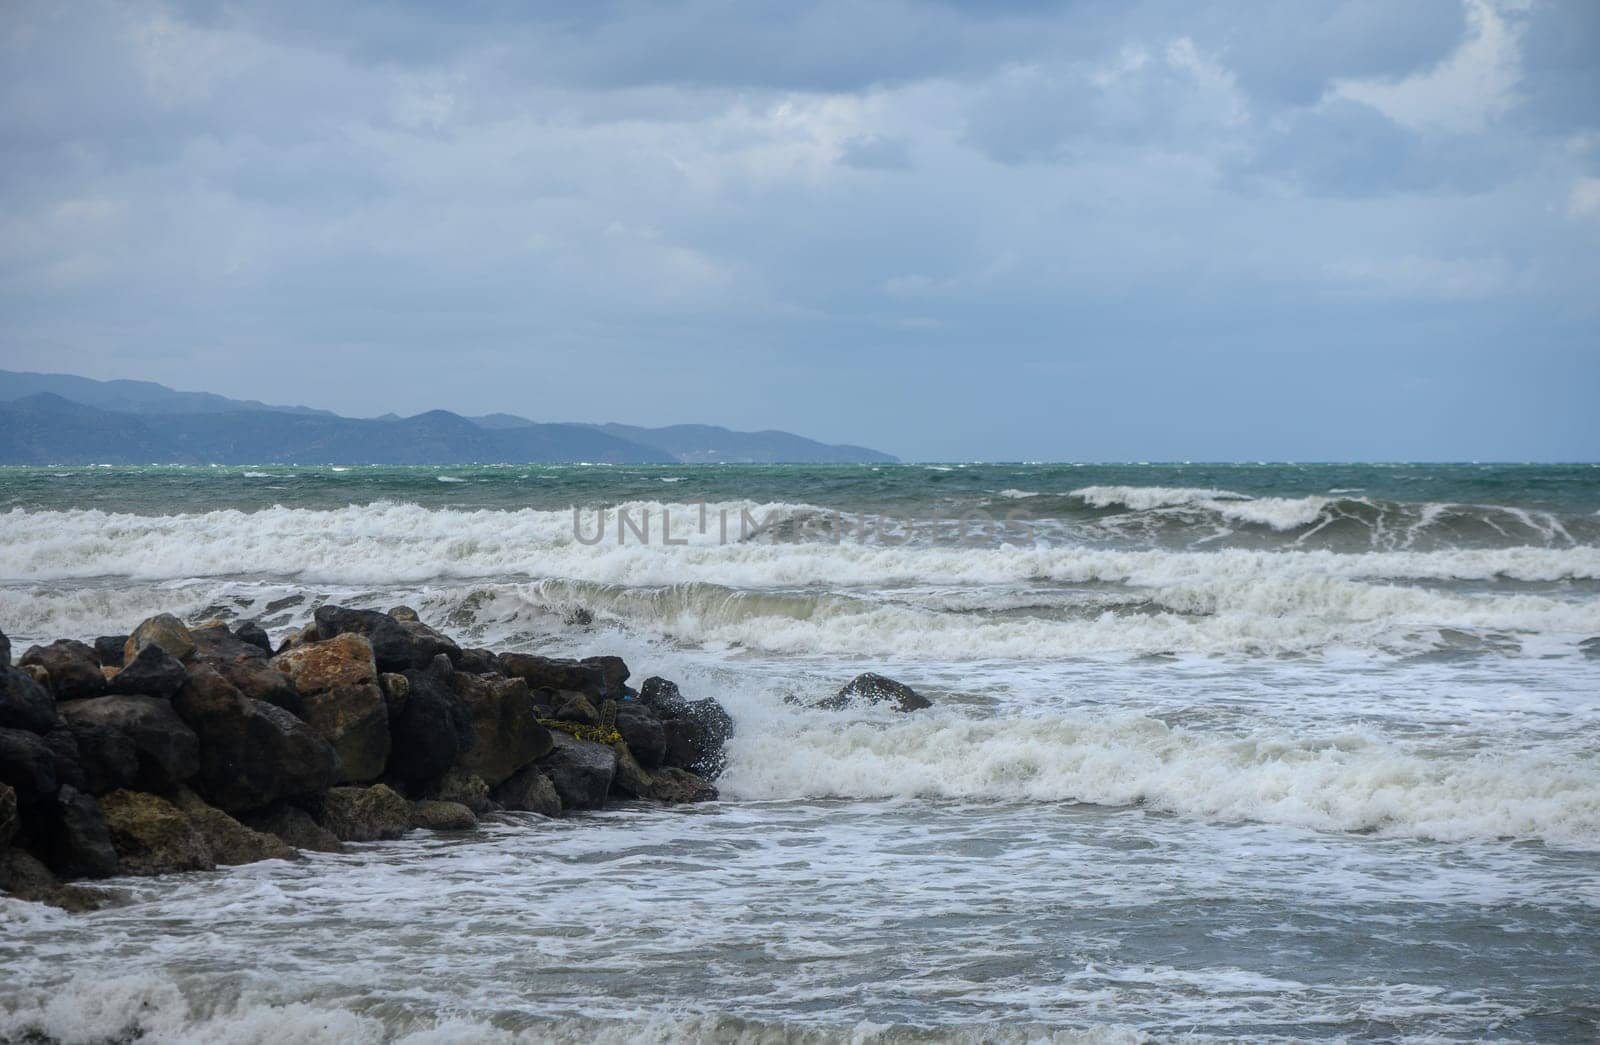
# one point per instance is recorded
(1007, 230)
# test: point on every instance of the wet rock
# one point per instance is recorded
(153, 836)
(107, 758)
(529, 790)
(872, 688)
(163, 630)
(109, 650)
(642, 731)
(153, 673)
(355, 720)
(432, 730)
(576, 707)
(581, 771)
(28, 765)
(675, 786)
(630, 779)
(396, 645)
(557, 673)
(478, 662)
(251, 753)
(613, 676)
(24, 877)
(253, 634)
(463, 788)
(24, 704)
(316, 667)
(230, 841)
(433, 815)
(506, 734)
(365, 814)
(294, 827)
(660, 693)
(695, 734)
(247, 667)
(74, 669)
(168, 751)
(1590, 647)
(69, 770)
(5, 651)
(405, 614)
(10, 820)
(76, 841)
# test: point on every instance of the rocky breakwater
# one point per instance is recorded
(178, 749)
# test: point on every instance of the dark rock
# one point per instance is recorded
(153, 673)
(613, 676)
(163, 630)
(432, 731)
(641, 730)
(10, 819)
(529, 790)
(581, 771)
(28, 765)
(630, 778)
(230, 841)
(168, 750)
(153, 836)
(365, 814)
(557, 673)
(5, 651)
(872, 688)
(108, 649)
(77, 843)
(74, 669)
(675, 786)
(695, 735)
(253, 634)
(1590, 647)
(24, 704)
(396, 645)
(576, 707)
(106, 756)
(463, 788)
(69, 770)
(432, 815)
(506, 734)
(657, 692)
(251, 753)
(24, 877)
(294, 827)
(355, 720)
(478, 662)
(247, 667)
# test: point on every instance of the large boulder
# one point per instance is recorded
(76, 841)
(613, 676)
(675, 786)
(659, 693)
(317, 667)
(433, 815)
(230, 841)
(28, 764)
(69, 769)
(478, 662)
(506, 734)
(110, 649)
(251, 753)
(107, 757)
(365, 814)
(153, 836)
(168, 750)
(247, 666)
(163, 630)
(355, 720)
(465, 788)
(24, 704)
(580, 770)
(252, 633)
(642, 731)
(294, 827)
(872, 688)
(433, 728)
(396, 645)
(557, 673)
(153, 673)
(530, 791)
(695, 734)
(74, 669)
(630, 779)
(24, 877)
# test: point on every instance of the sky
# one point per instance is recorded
(1013, 230)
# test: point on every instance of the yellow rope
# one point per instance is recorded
(598, 734)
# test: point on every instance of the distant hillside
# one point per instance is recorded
(131, 397)
(710, 444)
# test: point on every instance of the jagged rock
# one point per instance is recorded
(660, 693)
(557, 673)
(575, 707)
(478, 662)
(153, 673)
(433, 728)
(630, 778)
(396, 645)
(24, 704)
(695, 733)
(251, 753)
(10, 821)
(74, 669)
(529, 790)
(106, 756)
(76, 841)
(294, 827)
(613, 676)
(872, 688)
(28, 765)
(365, 814)
(247, 667)
(163, 630)
(110, 649)
(581, 771)
(230, 841)
(506, 734)
(355, 720)
(153, 836)
(253, 634)
(642, 731)
(433, 815)
(24, 877)
(675, 786)
(69, 770)
(316, 667)
(168, 750)
(405, 614)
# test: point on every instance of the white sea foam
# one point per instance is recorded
(1277, 513)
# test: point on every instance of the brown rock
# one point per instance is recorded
(153, 836)
(163, 630)
(365, 814)
(294, 827)
(355, 720)
(506, 734)
(316, 667)
(72, 667)
(674, 786)
(24, 877)
(231, 842)
(529, 790)
(433, 815)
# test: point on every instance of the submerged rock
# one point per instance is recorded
(168, 750)
(74, 669)
(675, 786)
(24, 877)
(365, 814)
(580, 770)
(872, 688)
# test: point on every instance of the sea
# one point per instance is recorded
(1240, 752)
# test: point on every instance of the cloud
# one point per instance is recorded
(874, 152)
(1584, 199)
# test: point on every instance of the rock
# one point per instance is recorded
(355, 720)
(463, 788)
(153, 836)
(28, 765)
(74, 669)
(506, 734)
(555, 673)
(657, 692)
(163, 630)
(107, 757)
(396, 645)
(37, 673)
(10, 821)
(109, 650)
(5, 651)
(168, 751)
(316, 667)
(253, 634)
(24, 704)
(294, 827)
(581, 771)
(478, 662)
(613, 676)
(230, 841)
(69, 770)
(76, 841)
(642, 731)
(405, 614)
(247, 667)
(529, 790)
(695, 735)
(153, 673)
(432, 730)
(432, 815)
(630, 779)
(251, 753)
(365, 814)
(675, 786)
(576, 707)
(873, 688)
(24, 877)
(1590, 647)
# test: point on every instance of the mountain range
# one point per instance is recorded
(65, 419)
